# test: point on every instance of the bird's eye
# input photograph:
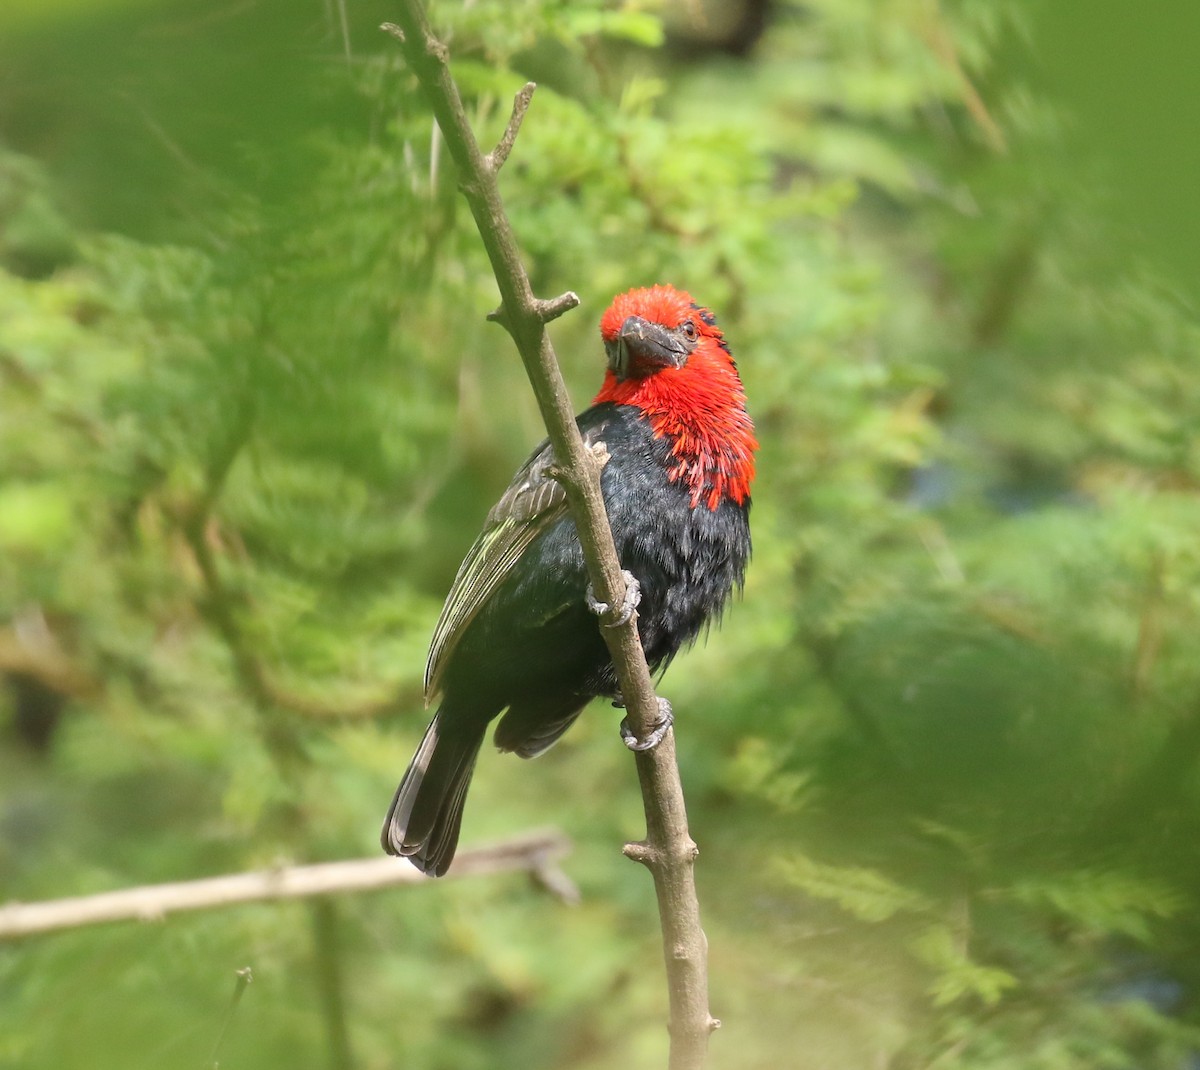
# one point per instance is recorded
(689, 330)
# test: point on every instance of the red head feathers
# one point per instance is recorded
(668, 358)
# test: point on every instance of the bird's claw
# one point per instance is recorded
(633, 595)
(658, 730)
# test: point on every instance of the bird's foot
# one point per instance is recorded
(633, 595)
(658, 730)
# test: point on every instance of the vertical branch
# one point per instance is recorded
(667, 851)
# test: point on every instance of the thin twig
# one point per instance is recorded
(942, 42)
(344, 20)
(668, 850)
(536, 852)
(497, 157)
(244, 976)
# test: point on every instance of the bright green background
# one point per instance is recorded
(942, 758)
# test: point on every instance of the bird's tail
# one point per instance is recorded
(423, 821)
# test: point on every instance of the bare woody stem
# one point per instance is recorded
(668, 851)
(537, 852)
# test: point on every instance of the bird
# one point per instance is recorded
(518, 634)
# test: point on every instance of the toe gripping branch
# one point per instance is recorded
(625, 613)
(658, 730)
(633, 595)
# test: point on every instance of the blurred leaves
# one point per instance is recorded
(957, 976)
(864, 893)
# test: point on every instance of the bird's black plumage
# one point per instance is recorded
(532, 647)
(516, 638)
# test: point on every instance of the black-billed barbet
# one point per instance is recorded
(516, 635)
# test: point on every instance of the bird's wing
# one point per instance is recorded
(533, 502)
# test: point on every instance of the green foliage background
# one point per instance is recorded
(942, 759)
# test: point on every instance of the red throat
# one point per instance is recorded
(700, 408)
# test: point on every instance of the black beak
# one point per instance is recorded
(642, 347)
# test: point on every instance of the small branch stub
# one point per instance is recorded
(556, 306)
(640, 851)
(545, 310)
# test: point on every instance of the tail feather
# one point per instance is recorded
(424, 819)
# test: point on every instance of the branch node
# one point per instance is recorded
(497, 157)
(394, 30)
(640, 851)
(469, 187)
(597, 452)
(556, 306)
(713, 1024)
